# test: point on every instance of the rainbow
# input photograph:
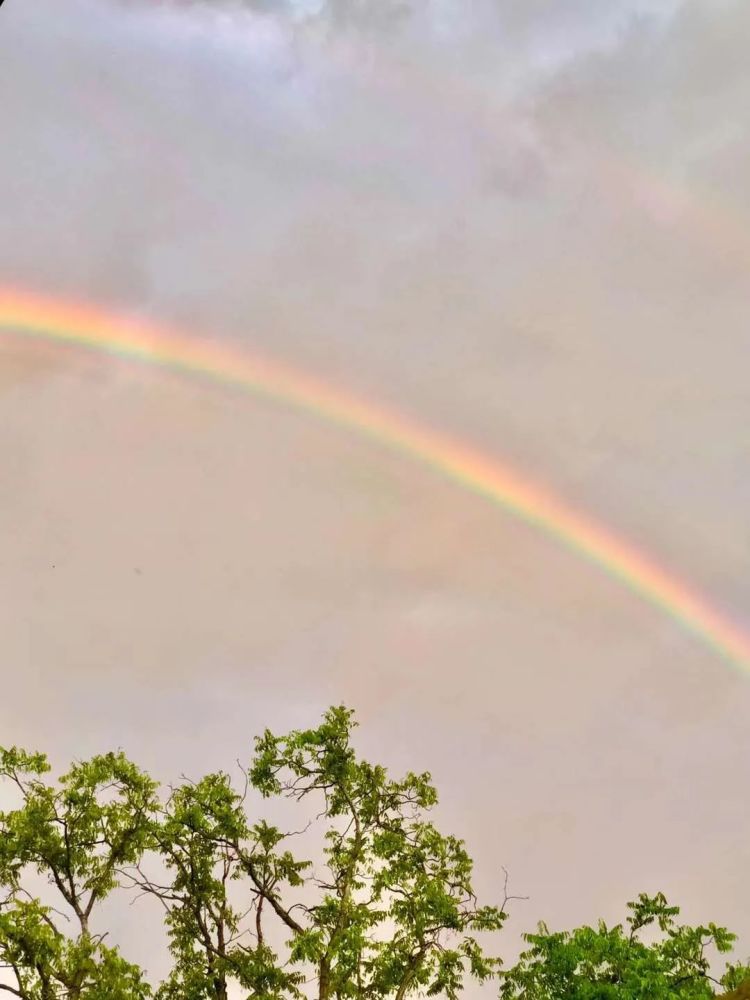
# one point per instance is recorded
(88, 327)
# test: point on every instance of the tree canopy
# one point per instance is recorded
(391, 912)
(614, 963)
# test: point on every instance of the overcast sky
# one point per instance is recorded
(522, 223)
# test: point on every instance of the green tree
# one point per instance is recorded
(390, 914)
(75, 836)
(616, 964)
(397, 910)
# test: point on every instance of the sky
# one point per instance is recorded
(522, 224)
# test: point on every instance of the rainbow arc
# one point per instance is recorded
(87, 327)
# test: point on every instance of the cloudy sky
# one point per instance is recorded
(523, 223)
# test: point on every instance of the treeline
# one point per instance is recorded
(392, 913)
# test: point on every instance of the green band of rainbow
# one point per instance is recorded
(85, 326)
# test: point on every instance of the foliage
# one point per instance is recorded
(74, 836)
(616, 964)
(387, 867)
(392, 913)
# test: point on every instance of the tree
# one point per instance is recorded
(392, 913)
(75, 836)
(616, 964)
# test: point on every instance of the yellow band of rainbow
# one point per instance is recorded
(88, 327)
